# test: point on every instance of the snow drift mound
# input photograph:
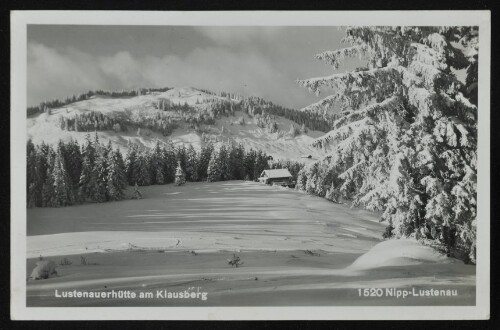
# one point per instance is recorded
(398, 252)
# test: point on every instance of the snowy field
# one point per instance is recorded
(296, 249)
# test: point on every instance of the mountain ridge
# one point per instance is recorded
(184, 115)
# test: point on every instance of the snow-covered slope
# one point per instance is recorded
(280, 145)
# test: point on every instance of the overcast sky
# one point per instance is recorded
(260, 61)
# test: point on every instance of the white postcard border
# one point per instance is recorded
(19, 22)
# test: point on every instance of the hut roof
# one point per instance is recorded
(278, 173)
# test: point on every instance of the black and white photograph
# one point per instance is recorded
(302, 162)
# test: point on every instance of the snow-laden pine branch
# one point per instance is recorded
(335, 58)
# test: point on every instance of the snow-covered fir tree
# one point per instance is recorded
(293, 131)
(156, 165)
(181, 156)
(169, 162)
(73, 159)
(261, 163)
(303, 129)
(331, 194)
(117, 180)
(236, 157)
(249, 165)
(62, 194)
(88, 176)
(131, 165)
(214, 167)
(32, 175)
(225, 172)
(101, 167)
(405, 141)
(204, 160)
(191, 164)
(43, 153)
(143, 175)
(180, 177)
(48, 193)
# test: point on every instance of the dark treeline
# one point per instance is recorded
(233, 96)
(47, 105)
(93, 172)
(90, 121)
(164, 121)
(228, 105)
(253, 106)
(315, 121)
(195, 115)
(97, 121)
(70, 173)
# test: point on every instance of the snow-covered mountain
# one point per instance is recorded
(190, 114)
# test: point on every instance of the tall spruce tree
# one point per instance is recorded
(143, 164)
(191, 164)
(43, 158)
(32, 175)
(261, 164)
(249, 165)
(236, 158)
(405, 142)
(101, 171)
(205, 156)
(223, 161)
(73, 161)
(116, 180)
(131, 165)
(48, 191)
(157, 165)
(169, 162)
(88, 176)
(181, 155)
(214, 167)
(62, 186)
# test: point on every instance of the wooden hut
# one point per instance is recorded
(281, 177)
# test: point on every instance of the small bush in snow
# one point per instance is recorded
(388, 233)
(83, 261)
(235, 261)
(65, 262)
(294, 131)
(241, 121)
(44, 269)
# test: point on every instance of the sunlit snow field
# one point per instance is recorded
(296, 249)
